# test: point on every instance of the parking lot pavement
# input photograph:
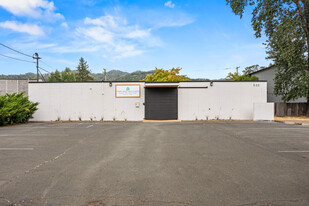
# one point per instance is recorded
(176, 163)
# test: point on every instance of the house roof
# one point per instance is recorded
(262, 70)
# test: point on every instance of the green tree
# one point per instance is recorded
(242, 77)
(286, 26)
(55, 77)
(250, 69)
(68, 76)
(83, 74)
(161, 75)
(65, 76)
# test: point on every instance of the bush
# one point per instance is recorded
(16, 108)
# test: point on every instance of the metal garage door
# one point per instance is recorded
(161, 103)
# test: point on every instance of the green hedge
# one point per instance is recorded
(16, 108)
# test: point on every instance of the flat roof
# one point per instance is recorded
(148, 82)
(20, 79)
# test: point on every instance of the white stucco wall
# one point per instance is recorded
(263, 111)
(85, 100)
(223, 100)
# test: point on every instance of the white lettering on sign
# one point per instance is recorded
(128, 91)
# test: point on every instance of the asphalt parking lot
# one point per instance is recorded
(183, 164)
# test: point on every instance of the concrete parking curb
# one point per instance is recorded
(289, 122)
(293, 123)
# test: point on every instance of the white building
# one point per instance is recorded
(136, 101)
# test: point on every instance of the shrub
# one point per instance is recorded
(16, 108)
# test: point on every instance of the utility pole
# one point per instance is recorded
(237, 72)
(36, 56)
(105, 75)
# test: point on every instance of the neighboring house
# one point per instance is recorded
(9, 86)
(269, 74)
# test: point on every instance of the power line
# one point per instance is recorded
(16, 50)
(44, 70)
(16, 58)
(47, 64)
(35, 56)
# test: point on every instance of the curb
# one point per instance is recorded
(293, 123)
(289, 122)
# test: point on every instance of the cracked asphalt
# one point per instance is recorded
(149, 164)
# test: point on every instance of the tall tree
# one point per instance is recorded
(68, 76)
(83, 74)
(55, 77)
(286, 26)
(65, 76)
(161, 75)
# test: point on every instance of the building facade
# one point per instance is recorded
(136, 101)
(268, 74)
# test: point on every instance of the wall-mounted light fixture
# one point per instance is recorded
(211, 83)
(110, 84)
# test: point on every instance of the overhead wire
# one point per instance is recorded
(46, 64)
(16, 58)
(40, 68)
(44, 70)
(16, 50)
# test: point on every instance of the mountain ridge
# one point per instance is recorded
(112, 75)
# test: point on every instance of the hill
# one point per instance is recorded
(29, 75)
(110, 75)
(117, 75)
(113, 75)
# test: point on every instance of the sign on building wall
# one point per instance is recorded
(128, 90)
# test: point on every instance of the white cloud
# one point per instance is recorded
(31, 29)
(64, 25)
(114, 35)
(106, 21)
(125, 50)
(32, 8)
(138, 33)
(169, 4)
(171, 21)
(76, 48)
(166, 18)
(97, 34)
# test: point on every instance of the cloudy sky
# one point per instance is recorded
(202, 37)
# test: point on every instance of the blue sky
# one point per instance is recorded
(202, 37)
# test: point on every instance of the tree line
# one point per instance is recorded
(82, 74)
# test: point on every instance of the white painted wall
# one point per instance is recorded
(85, 100)
(223, 100)
(263, 111)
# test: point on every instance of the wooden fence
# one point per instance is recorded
(290, 109)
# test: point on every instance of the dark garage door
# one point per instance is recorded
(161, 103)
